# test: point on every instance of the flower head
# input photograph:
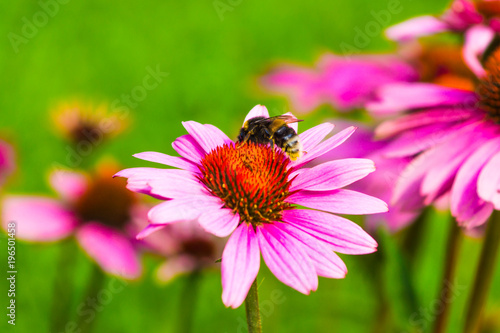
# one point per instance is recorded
(97, 210)
(252, 193)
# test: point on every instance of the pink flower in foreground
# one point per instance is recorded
(6, 161)
(251, 192)
(478, 20)
(456, 135)
(97, 211)
(344, 82)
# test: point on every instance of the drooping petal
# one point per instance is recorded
(257, 111)
(110, 249)
(342, 235)
(339, 201)
(287, 259)
(477, 40)
(240, 265)
(70, 185)
(488, 184)
(173, 161)
(416, 27)
(151, 228)
(313, 136)
(333, 175)
(183, 209)
(38, 219)
(220, 222)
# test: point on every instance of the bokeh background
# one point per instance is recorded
(100, 50)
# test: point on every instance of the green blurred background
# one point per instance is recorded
(99, 50)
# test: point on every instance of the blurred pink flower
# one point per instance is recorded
(7, 164)
(455, 134)
(344, 82)
(478, 20)
(250, 192)
(98, 211)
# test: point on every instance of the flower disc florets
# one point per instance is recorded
(489, 87)
(251, 179)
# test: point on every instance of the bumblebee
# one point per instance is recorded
(273, 130)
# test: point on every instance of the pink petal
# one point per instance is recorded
(189, 148)
(257, 111)
(342, 235)
(416, 27)
(488, 183)
(333, 175)
(220, 222)
(324, 147)
(240, 265)
(287, 259)
(339, 201)
(174, 267)
(183, 209)
(477, 40)
(312, 137)
(207, 136)
(397, 97)
(110, 249)
(38, 219)
(326, 262)
(69, 185)
(173, 161)
(151, 228)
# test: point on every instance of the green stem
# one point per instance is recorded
(188, 301)
(91, 299)
(414, 236)
(452, 251)
(63, 287)
(484, 274)
(252, 309)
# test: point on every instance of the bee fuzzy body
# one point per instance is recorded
(274, 131)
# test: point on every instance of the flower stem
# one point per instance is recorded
(452, 251)
(63, 286)
(252, 309)
(484, 274)
(96, 281)
(188, 301)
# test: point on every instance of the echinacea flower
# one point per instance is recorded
(455, 136)
(97, 210)
(252, 192)
(6, 161)
(343, 82)
(479, 21)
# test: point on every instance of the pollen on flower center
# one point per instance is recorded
(251, 179)
(489, 87)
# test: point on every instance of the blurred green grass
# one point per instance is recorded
(100, 50)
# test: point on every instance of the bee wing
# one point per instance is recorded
(287, 118)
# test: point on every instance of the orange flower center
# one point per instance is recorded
(489, 87)
(250, 178)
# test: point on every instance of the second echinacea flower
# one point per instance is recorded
(252, 193)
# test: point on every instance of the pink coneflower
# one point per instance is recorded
(344, 82)
(6, 161)
(478, 20)
(456, 133)
(251, 192)
(98, 211)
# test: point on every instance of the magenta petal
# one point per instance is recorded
(312, 137)
(333, 175)
(397, 97)
(151, 228)
(188, 147)
(7, 164)
(257, 111)
(287, 259)
(339, 201)
(477, 40)
(326, 262)
(489, 181)
(220, 222)
(38, 219)
(173, 161)
(69, 185)
(342, 235)
(240, 265)
(416, 27)
(110, 249)
(183, 209)
(207, 136)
